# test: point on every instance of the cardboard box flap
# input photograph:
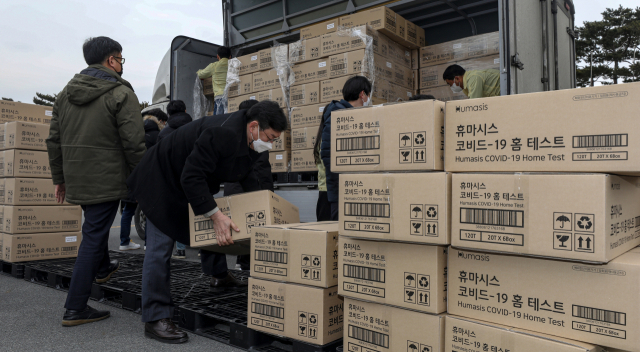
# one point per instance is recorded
(328, 226)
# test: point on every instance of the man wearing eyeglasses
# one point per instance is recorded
(96, 139)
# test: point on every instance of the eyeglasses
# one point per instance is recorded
(271, 138)
(121, 59)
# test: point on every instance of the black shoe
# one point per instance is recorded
(79, 317)
(179, 254)
(114, 265)
(229, 281)
(165, 331)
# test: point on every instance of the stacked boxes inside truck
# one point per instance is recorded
(394, 225)
(32, 224)
(294, 273)
(545, 218)
(480, 52)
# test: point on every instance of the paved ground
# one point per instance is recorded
(31, 317)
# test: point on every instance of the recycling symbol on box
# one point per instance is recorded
(423, 282)
(585, 223)
(316, 261)
(419, 139)
(431, 212)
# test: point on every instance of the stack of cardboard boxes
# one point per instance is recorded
(293, 286)
(479, 52)
(571, 224)
(394, 223)
(32, 225)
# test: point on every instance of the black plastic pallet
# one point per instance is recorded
(298, 177)
(12, 269)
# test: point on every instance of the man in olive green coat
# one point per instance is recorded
(95, 141)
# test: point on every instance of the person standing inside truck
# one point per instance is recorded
(356, 92)
(473, 83)
(95, 141)
(185, 169)
(218, 73)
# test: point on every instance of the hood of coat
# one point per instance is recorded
(151, 123)
(179, 119)
(91, 83)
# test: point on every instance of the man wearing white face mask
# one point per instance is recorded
(356, 92)
(186, 168)
(473, 83)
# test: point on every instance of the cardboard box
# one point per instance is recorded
(319, 29)
(462, 333)
(266, 60)
(547, 215)
(234, 103)
(27, 191)
(415, 59)
(342, 42)
(462, 49)
(24, 163)
(304, 50)
(331, 89)
(13, 111)
(23, 135)
(207, 87)
(444, 93)
(583, 142)
(306, 254)
(406, 207)
(279, 161)
(349, 63)
(247, 210)
(245, 86)
(40, 246)
(376, 327)
(249, 64)
(411, 35)
(274, 94)
(393, 137)
(311, 71)
(309, 314)
(398, 93)
(34, 219)
(400, 54)
(303, 161)
(542, 295)
(304, 94)
(404, 275)
(306, 116)
(304, 138)
(265, 80)
(432, 76)
(381, 19)
(283, 142)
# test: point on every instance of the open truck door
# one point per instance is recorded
(188, 55)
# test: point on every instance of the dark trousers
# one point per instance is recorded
(323, 207)
(244, 261)
(334, 211)
(128, 211)
(214, 264)
(93, 254)
(156, 276)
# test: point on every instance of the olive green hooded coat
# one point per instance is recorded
(96, 137)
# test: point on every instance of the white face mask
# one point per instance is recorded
(259, 145)
(368, 102)
(456, 88)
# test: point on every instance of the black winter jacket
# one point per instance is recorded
(175, 121)
(262, 169)
(187, 168)
(333, 182)
(151, 131)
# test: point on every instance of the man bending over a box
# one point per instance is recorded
(185, 169)
(473, 83)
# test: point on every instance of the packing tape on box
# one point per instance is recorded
(280, 58)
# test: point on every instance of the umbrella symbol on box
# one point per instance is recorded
(417, 210)
(249, 217)
(413, 347)
(562, 220)
(306, 260)
(302, 318)
(409, 278)
(405, 138)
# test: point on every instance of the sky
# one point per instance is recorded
(41, 41)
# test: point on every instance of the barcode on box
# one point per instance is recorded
(367, 209)
(300, 140)
(338, 67)
(602, 315)
(69, 222)
(364, 273)
(273, 257)
(374, 23)
(270, 311)
(373, 337)
(603, 140)
(358, 143)
(510, 218)
(69, 249)
(297, 97)
(323, 72)
(203, 225)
